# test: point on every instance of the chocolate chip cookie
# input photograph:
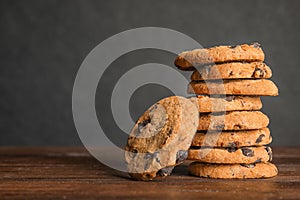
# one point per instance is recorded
(232, 155)
(230, 103)
(259, 87)
(161, 137)
(234, 70)
(235, 120)
(233, 139)
(235, 171)
(220, 54)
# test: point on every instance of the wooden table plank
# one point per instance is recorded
(71, 173)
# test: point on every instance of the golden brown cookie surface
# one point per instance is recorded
(161, 137)
(230, 103)
(244, 155)
(233, 70)
(238, 171)
(238, 139)
(220, 54)
(235, 120)
(259, 87)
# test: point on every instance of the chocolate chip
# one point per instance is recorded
(181, 155)
(165, 171)
(269, 150)
(247, 152)
(229, 98)
(134, 151)
(232, 144)
(259, 139)
(170, 131)
(258, 73)
(148, 159)
(150, 156)
(248, 165)
(233, 46)
(231, 149)
(258, 160)
(148, 176)
(165, 141)
(143, 124)
(256, 45)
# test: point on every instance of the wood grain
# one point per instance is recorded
(71, 173)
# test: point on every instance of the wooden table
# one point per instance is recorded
(71, 173)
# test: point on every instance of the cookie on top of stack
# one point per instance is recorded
(232, 132)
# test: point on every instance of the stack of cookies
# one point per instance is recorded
(232, 133)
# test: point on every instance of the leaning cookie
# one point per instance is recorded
(235, 120)
(229, 103)
(238, 139)
(220, 54)
(245, 155)
(258, 87)
(161, 138)
(235, 171)
(234, 70)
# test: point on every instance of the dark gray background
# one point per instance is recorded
(43, 43)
